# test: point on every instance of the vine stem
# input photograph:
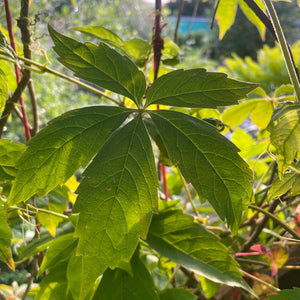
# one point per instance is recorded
(277, 220)
(188, 194)
(36, 210)
(158, 45)
(40, 68)
(288, 59)
(17, 69)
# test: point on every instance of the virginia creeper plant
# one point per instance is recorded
(106, 233)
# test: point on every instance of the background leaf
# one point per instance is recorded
(285, 134)
(100, 65)
(286, 295)
(10, 152)
(56, 152)
(208, 160)
(118, 284)
(117, 196)
(176, 236)
(197, 88)
(225, 15)
(252, 16)
(5, 237)
(176, 294)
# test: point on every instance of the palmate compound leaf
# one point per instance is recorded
(117, 197)
(176, 236)
(197, 88)
(56, 152)
(285, 134)
(208, 160)
(100, 65)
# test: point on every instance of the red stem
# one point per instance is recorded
(158, 45)
(17, 69)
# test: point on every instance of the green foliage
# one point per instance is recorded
(285, 134)
(117, 239)
(286, 295)
(170, 234)
(119, 284)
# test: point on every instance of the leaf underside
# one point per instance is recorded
(68, 142)
(208, 160)
(197, 88)
(171, 233)
(117, 196)
(100, 65)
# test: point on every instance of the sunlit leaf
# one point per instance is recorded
(197, 88)
(100, 65)
(225, 15)
(3, 90)
(101, 33)
(176, 236)
(10, 152)
(56, 152)
(252, 16)
(208, 160)
(280, 187)
(259, 110)
(5, 237)
(285, 134)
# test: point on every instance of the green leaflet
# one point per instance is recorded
(259, 110)
(176, 236)
(56, 152)
(252, 16)
(55, 285)
(6, 47)
(285, 134)
(59, 251)
(101, 33)
(5, 237)
(288, 181)
(118, 284)
(208, 160)
(100, 65)
(138, 50)
(197, 88)
(10, 152)
(3, 90)
(286, 295)
(176, 294)
(225, 15)
(117, 196)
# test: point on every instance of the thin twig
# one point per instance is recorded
(286, 52)
(194, 15)
(270, 215)
(261, 226)
(272, 287)
(188, 194)
(40, 68)
(35, 268)
(251, 261)
(35, 114)
(181, 4)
